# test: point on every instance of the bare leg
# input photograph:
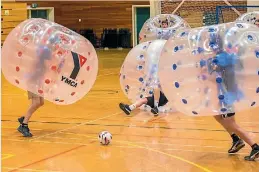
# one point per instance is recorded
(219, 119)
(232, 127)
(138, 103)
(156, 96)
(36, 103)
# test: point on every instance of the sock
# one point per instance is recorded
(235, 138)
(156, 103)
(24, 125)
(132, 107)
(255, 146)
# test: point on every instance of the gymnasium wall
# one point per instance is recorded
(11, 15)
(93, 14)
(193, 11)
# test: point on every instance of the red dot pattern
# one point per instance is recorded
(49, 31)
(82, 82)
(17, 69)
(89, 53)
(73, 93)
(25, 39)
(17, 82)
(19, 54)
(59, 53)
(47, 81)
(54, 68)
(88, 68)
(40, 91)
(61, 100)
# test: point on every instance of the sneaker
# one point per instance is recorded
(20, 120)
(236, 146)
(125, 108)
(24, 129)
(155, 111)
(253, 155)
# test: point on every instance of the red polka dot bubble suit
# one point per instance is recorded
(49, 60)
(212, 70)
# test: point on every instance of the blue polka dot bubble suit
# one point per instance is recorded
(212, 70)
(139, 72)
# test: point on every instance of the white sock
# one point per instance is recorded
(156, 103)
(132, 107)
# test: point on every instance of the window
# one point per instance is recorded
(39, 14)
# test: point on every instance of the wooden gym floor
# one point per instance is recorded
(65, 137)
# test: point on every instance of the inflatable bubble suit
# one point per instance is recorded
(139, 72)
(49, 60)
(152, 29)
(251, 17)
(212, 70)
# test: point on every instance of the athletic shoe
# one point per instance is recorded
(155, 111)
(125, 108)
(24, 129)
(253, 155)
(236, 146)
(20, 120)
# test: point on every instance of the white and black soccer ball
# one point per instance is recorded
(105, 137)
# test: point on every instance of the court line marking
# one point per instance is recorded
(47, 158)
(172, 156)
(168, 144)
(129, 147)
(114, 114)
(164, 153)
(7, 156)
(27, 169)
(16, 128)
(106, 74)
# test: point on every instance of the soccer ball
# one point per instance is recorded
(105, 137)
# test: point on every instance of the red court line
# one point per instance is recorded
(61, 153)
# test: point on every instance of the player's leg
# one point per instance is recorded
(231, 125)
(128, 108)
(156, 97)
(237, 143)
(162, 101)
(36, 103)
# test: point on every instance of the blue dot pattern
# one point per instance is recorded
(184, 101)
(178, 48)
(202, 63)
(257, 54)
(240, 25)
(221, 97)
(219, 80)
(212, 29)
(174, 66)
(140, 67)
(177, 85)
(223, 109)
(250, 37)
(194, 112)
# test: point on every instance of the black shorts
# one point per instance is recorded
(162, 100)
(227, 115)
